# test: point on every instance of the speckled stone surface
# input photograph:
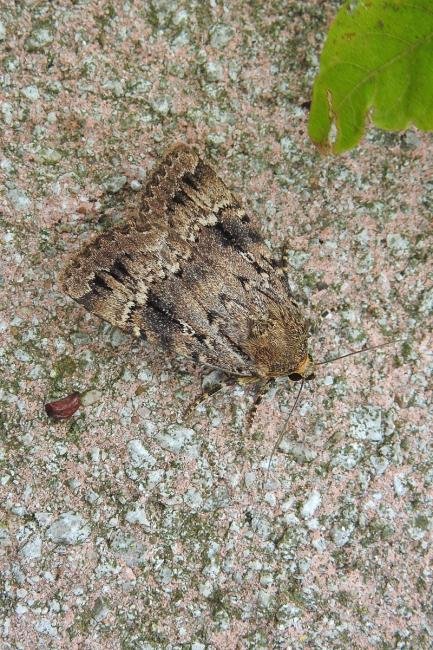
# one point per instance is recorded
(129, 526)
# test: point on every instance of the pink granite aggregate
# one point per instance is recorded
(129, 526)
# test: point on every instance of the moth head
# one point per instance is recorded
(304, 370)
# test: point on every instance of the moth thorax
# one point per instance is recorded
(277, 353)
(304, 370)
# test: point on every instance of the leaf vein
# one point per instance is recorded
(375, 71)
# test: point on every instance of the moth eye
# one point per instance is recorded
(312, 376)
(295, 376)
(245, 219)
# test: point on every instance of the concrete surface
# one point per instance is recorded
(130, 527)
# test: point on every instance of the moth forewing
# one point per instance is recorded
(190, 272)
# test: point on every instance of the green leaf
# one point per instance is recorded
(377, 61)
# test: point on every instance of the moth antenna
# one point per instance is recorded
(349, 354)
(282, 434)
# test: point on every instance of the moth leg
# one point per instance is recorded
(282, 262)
(207, 394)
(262, 389)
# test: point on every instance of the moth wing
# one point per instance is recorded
(229, 283)
(158, 288)
(185, 194)
(189, 272)
(111, 274)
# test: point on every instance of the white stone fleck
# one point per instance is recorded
(341, 536)
(250, 479)
(128, 375)
(32, 549)
(379, 463)
(398, 244)
(271, 499)
(311, 504)
(31, 92)
(69, 528)
(426, 303)
(19, 199)
(114, 184)
(215, 139)
(43, 518)
(139, 455)
(176, 438)
(5, 539)
(193, 499)
(313, 524)
(221, 35)
(60, 449)
(212, 380)
(44, 626)
(366, 424)
(399, 487)
(145, 375)
(7, 112)
(181, 16)
(266, 579)
(74, 484)
(6, 165)
(91, 397)
(50, 155)
(100, 610)
(161, 106)
(299, 451)
(205, 589)
(137, 516)
(40, 36)
(319, 544)
(154, 477)
(214, 71)
(265, 598)
(91, 496)
(115, 86)
(348, 457)
(54, 605)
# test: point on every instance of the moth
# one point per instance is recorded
(190, 272)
